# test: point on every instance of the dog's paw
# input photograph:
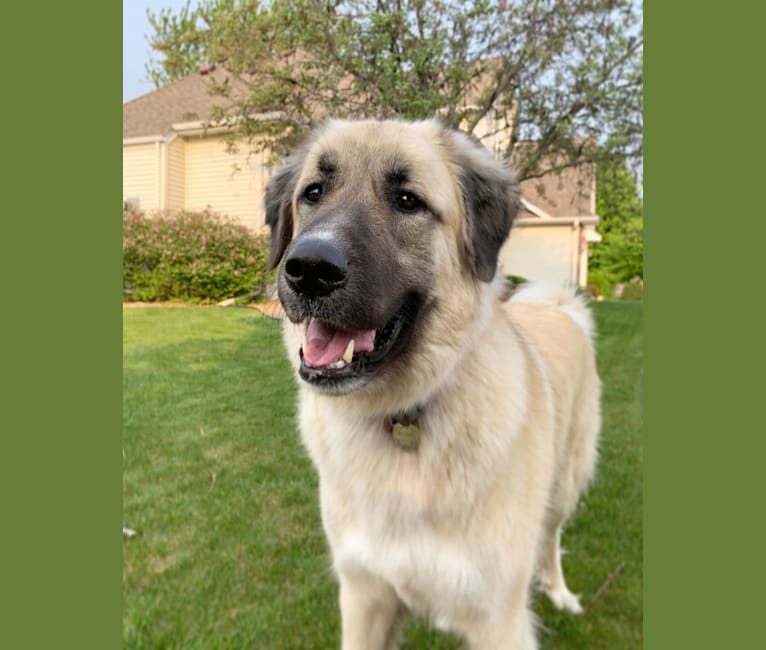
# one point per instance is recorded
(565, 600)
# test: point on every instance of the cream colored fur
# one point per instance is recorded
(458, 531)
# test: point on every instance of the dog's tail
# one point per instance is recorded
(568, 300)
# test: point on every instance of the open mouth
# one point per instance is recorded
(333, 356)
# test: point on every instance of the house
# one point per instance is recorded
(551, 235)
(171, 161)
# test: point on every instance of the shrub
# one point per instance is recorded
(190, 256)
(634, 290)
(619, 256)
(601, 282)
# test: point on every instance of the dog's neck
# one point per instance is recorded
(404, 428)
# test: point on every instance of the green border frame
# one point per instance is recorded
(60, 458)
(703, 332)
(60, 468)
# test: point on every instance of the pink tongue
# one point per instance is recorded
(325, 345)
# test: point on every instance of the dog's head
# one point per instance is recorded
(379, 229)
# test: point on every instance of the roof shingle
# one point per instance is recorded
(567, 194)
(185, 100)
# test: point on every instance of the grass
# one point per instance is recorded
(229, 551)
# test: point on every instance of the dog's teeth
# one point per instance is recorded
(349, 353)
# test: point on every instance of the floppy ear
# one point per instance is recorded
(279, 209)
(491, 198)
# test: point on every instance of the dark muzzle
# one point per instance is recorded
(316, 267)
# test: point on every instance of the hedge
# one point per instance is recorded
(199, 257)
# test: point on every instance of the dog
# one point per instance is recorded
(453, 429)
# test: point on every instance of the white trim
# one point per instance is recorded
(191, 128)
(144, 139)
(556, 221)
(197, 127)
(574, 255)
(582, 257)
(149, 139)
(591, 235)
(531, 207)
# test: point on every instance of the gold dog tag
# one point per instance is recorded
(406, 436)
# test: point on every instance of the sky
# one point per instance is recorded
(135, 49)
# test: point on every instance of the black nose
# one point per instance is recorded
(316, 267)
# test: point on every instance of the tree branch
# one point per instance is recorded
(603, 587)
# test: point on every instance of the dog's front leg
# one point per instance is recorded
(370, 610)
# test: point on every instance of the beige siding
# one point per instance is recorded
(140, 174)
(541, 253)
(212, 181)
(176, 180)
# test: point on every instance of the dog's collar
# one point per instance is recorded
(404, 429)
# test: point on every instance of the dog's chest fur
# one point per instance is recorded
(394, 525)
(420, 520)
(432, 575)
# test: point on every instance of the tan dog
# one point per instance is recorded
(452, 430)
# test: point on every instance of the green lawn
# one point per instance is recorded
(229, 552)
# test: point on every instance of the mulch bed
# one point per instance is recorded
(272, 309)
(138, 303)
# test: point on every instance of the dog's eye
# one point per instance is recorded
(407, 202)
(313, 192)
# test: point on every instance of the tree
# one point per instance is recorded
(619, 257)
(176, 38)
(562, 75)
